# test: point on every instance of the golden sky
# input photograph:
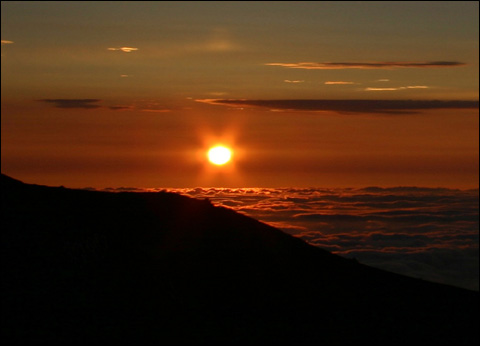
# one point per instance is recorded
(110, 94)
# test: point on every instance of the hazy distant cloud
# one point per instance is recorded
(156, 110)
(366, 65)
(383, 80)
(120, 108)
(215, 40)
(152, 106)
(143, 106)
(293, 81)
(124, 49)
(219, 40)
(355, 106)
(217, 93)
(73, 103)
(7, 42)
(338, 83)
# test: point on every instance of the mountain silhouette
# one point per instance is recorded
(90, 267)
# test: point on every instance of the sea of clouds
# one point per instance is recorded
(427, 233)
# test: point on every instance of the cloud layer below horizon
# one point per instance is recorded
(420, 232)
(424, 233)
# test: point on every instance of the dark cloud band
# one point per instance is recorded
(347, 106)
(366, 65)
(73, 103)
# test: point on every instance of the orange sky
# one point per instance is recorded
(110, 94)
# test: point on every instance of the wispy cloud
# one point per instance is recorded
(293, 81)
(397, 88)
(381, 89)
(7, 42)
(123, 49)
(338, 83)
(348, 106)
(73, 103)
(417, 87)
(366, 65)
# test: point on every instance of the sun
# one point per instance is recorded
(219, 155)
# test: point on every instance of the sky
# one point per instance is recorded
(316, 93)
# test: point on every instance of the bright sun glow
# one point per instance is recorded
(219, 155)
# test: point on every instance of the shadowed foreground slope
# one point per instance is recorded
(85, 267)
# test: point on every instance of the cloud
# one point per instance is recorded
(156, 110)
(381, 89)
(123, 49)
(219, 40)
(293, 81)
(6, 42)
(217, 93)
(338, 83)
(120, 108)
(429, 233)
(389, 65)
(140, 108)
(148, 106)
(348, 106)
(397, 88)
(73, 103)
